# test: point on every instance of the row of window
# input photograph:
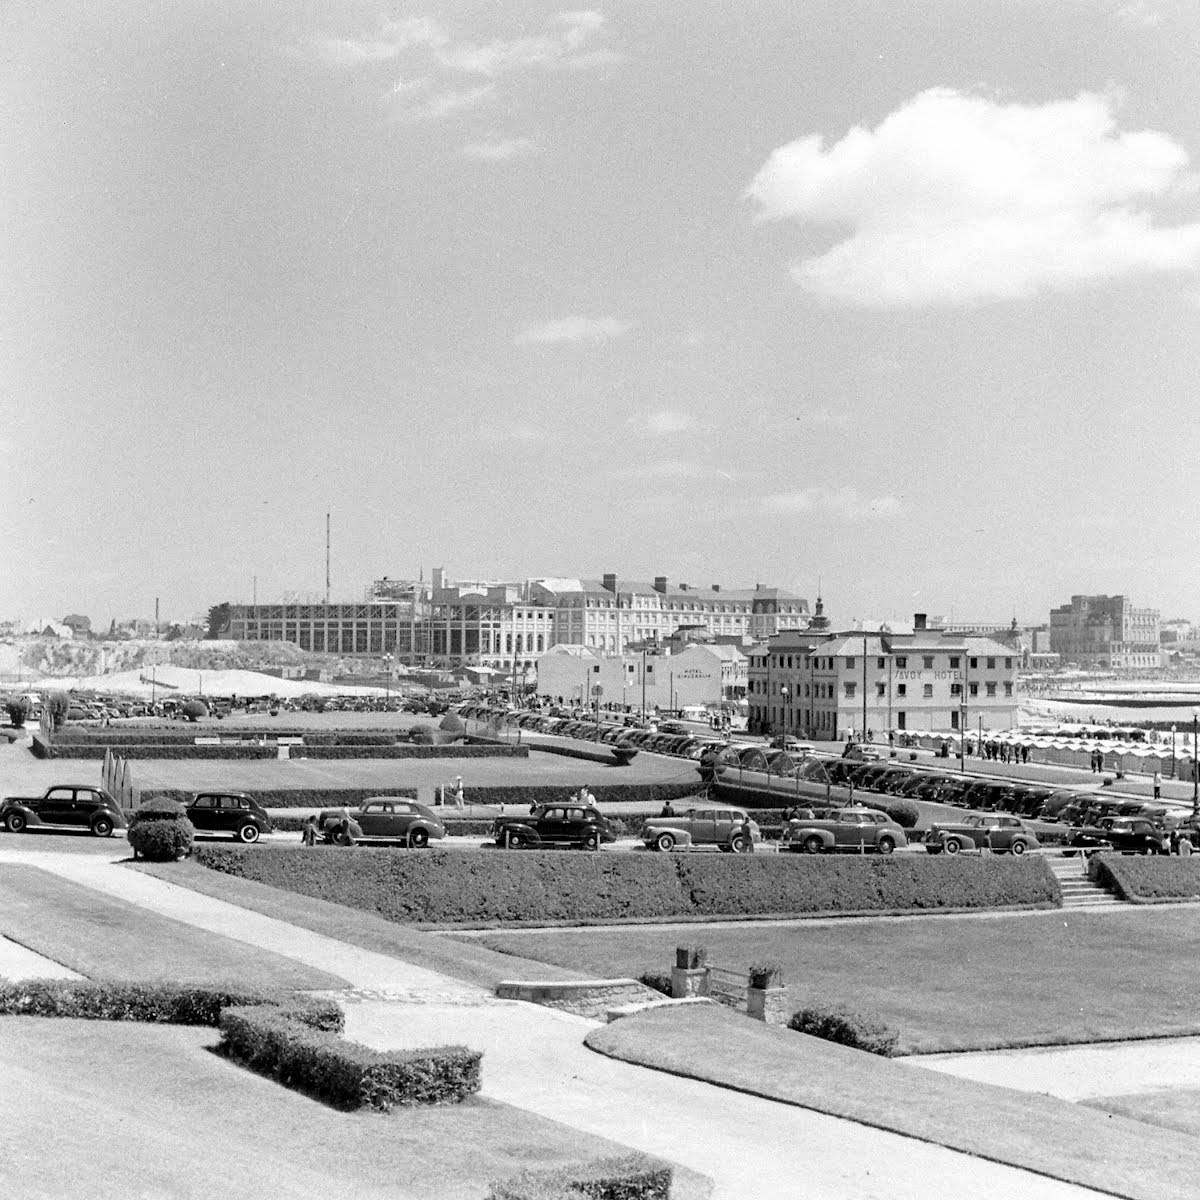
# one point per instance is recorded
(826, 663)
(825, 691)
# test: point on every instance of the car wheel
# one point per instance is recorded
(592, 841)
(886, 844)
(664, 842)
(15, 822)
(740, 844)
(419, 839)
(1018, 847)
(514, 841)
(812, 845)
(343, 839)
(952, 845)
(248, 833)
(102, 827)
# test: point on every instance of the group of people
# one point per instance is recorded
(1003, 752)
(1097, 760)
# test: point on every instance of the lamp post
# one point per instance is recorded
(785, 692)
(1195, 766)
(387, 678)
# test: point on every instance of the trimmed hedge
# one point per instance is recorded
(846, 1028)
(630, 1177)
(345, 1073)
(533, 887)
(187, 733)
(612, 793)
(607, 755)
(294, 797)
(159, 831)
(409, 750)
(154, 1003)
(1148, 879)
(42, 749)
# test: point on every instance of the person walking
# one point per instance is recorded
(308, 831)
(1157, 785)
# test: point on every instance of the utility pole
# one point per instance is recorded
(864, 674)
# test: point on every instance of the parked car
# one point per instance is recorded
(860, 829)
(234, 813)
(65, 806)
(382, 819)
(1136, 835)
(1003, 834)
(555, 824)
(729, 829)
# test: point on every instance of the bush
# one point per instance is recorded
(1148, 879)
(159, 831)
(439, 750)
(846, 1028)
(658, 981)
(158, 1003)
(766, 975)
(345, 1073)
(18, 710)
(904, 812)
(513, 887)
(422, 735)
(631, 1177)
(452, 724)
(57, 705)
(193, 710)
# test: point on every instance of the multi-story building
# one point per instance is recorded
(825, 685)
(1105, 633)
(507, 625)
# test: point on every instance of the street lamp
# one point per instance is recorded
(387, 679)
(1195, 766)
(785, 692)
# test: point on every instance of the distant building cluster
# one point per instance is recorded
(1105, 633)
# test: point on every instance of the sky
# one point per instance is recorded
(898, 298)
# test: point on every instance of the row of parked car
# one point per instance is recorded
(665, 738)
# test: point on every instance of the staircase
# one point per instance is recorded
(1078, 891)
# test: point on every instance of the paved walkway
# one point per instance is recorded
(534, 1059)
(17, 963)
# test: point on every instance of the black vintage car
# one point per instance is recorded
(554, 825)
(68, 806)
(234, 813)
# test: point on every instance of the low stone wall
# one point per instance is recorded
(583, 997)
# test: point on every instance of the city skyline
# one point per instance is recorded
(901, 295)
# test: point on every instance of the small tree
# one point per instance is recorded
(159, 831)
(193, 710)
(57, 705)
(17, 709)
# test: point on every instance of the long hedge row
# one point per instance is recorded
(458, 750)
(630, 1177)
(605, 793)
(540, 887)
(186, 733)
(1148, 879)
(43, 749)
(295, 797)
(343, 1073)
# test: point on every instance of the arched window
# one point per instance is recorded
(508, 643)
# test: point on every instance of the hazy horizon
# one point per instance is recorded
(897, 294)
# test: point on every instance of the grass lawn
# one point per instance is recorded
(109, 1109)
(1173, 1109)
(942, 983)
(1053, 1137)
(103, 938)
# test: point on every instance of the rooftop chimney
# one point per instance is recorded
(610, 582)
(660, 583)
(919, 621)
(716, 587)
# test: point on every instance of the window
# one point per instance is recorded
(974, 689)
(991, 689)
(902, 689)
(1008, 664)
(880, 663)
(880, 689)
(205, 802)
(991, 664)
(956, 689)
(849, 662)
(902, 662)
(849, 691)
(954, 662)
(974, 664)
(1008, 689)
(927, 691)
(928, 662)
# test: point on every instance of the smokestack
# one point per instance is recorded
(920, 621)
(610, 582)
(716, 587)
(327, 560)
(660, 583)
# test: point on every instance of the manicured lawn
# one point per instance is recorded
(943, 983)
(103, 938)
(1172, 1109)
(103, 1109)
(1043, 1134)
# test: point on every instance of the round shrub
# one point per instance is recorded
(193, 710)
(846, 1028)
(904, 812)
(159, 831)
(17, 711)
(422, 735)
(450, 723)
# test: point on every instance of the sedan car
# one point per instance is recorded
(729, 829)
(234, 813)
(1003, 834)
(554, 825)
(70, 806)
(382, 819)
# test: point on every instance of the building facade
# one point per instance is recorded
(825, 685)
(1105, 633)
(506, 626)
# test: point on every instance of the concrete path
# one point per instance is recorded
(17, 964)
(534, 1059)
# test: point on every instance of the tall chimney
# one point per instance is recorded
(716, 587)
(610, 582)
(660, 583)
(919, 621)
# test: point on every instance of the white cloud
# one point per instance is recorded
(955, 198)
(573, 329)
(845, 503)
(499, 149)
(663, 421)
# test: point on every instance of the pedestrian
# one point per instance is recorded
(456, 793)
(667, 810)
(586, 798)
(1157, 785)
(308, 831)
